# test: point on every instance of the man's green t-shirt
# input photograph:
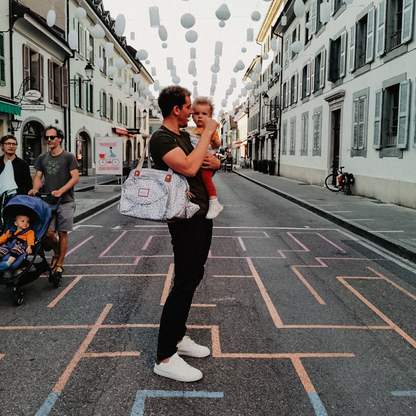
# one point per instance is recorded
(163, 141)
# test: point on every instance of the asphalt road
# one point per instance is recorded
(302, 319)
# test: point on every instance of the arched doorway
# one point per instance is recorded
(32, 141)
(83, 154)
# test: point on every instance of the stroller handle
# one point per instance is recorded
(49, 198)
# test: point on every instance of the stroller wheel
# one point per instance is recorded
(56, 279)
(18, 296)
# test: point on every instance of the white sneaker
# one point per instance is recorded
(192, 349)
(214, 209)
(177, 369)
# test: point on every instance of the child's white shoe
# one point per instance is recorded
(214, 209)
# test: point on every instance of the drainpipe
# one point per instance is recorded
(280, 106)
(67, 112)
(11, 49)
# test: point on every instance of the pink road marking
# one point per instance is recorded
(269, 304)
(59, 386)
(147, 243)
(307, 284)
(136, 262)
(112, 354)
(112, 244)
(78, 246)
(243, 247)
(332, 243)
(167, 285)
(1, 356)
(387, 320)
(64, 292)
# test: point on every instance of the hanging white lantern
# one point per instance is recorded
(233, 82)
(119, 82)
(191, 67)
(156, 85)
(243, 92)
(253, 76)
(273, 44)
(131, 91)
(73, 39)
(141, 55)
(120, 63)
(193, 53)
(147, 62)
(136, 96)
(229, 91)
(325, 12)
(169, 62)
(223, 13)
(308, 25)
(212, 90)
(255, 16)
(146, 91)
(173, 71)
(218, 48)
(153, 71)
(191, 36)
(132, 36)
(250, 34)
(109, 50)
(252, 99)
(126, 89)
(154, 16)
(215, 69)
(195, 83)
(111, 71)
(97, 32)
(265, 56)
(297, 46)
(299, 8)
(136, 78)
(240, 65)
(217, 61)
(221, 23)
(224, 103)
(348, 1)
(120, 25)
(163, 33)
(128, 66)
(277, 68)
(187, 20)
(214, 78)
(257, 68)
(80, 13)
(89, 49)
(142, 86)
(243, 49)
(164, 45)
(249, 86)
(51, 18)
(141, 100)
(176, 80)
(101, 63)
(284, 20)
(235, 70)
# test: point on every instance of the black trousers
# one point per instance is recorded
(191, 241)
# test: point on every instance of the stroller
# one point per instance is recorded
(27, 268)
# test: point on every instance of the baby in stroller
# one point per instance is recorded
(16, 242)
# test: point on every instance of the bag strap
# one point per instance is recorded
(139, 166)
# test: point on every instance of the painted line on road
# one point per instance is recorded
(112, 244)
(317, 404)
(404, 393)
(243, 247)
(141, 395)
(78, 246)
(390, 231)
(48, 404)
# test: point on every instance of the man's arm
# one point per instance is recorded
(70, 184)
(36, 184)
(189, 165)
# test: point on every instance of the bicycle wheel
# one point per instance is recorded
(331, 183)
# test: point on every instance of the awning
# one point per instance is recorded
(10, 108)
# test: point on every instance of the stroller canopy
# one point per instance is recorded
(37, 210)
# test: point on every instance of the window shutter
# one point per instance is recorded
(377, 119)
(404, 112)
(312, 65)
(333, 58)
(381, 29)
(352, 48)
(414, 137)
(289, 89)
(2, 61)
(361, 121)
(41, 74)
(343, 55)
(332, 7)
(322, 70)
(286, 53)
(65, 86)
(308, 78)
(287, 93)
(26, 68)
(313, 18)
(50, 82)
(295, 86)
(107, 113)
(407, 20)
(87, 96)
(369, 56)
(356, 122)
(100, 101)
(302, 80)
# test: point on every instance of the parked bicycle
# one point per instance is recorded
(339, 181)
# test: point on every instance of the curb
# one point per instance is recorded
(95, 209)
(387, 244)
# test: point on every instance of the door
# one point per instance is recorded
(336, 137)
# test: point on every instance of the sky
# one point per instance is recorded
(207, 26)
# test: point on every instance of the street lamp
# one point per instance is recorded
(15, 125)
(89, 73)
(266, 99)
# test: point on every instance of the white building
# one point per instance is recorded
(348, 95)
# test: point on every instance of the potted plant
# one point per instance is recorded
(272, 167)
(255, 164)
(265, 168)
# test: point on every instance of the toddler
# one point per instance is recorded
(203, 109)
(17, 242)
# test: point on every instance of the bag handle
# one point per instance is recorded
(139, 166)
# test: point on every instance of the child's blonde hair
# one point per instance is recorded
(204, 101)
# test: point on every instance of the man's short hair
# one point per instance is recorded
(170, 97)
(59, 132)
(7, 137)
(204, 101)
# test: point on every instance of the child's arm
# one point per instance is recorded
(4, 236)
(215, 141)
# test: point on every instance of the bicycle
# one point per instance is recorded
(339, 181)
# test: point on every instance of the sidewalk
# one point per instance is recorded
(388, 225)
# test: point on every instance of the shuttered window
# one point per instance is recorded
(304, 134)
(293, 136)
(360, 107)
(2, 61)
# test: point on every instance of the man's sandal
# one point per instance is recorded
(58, 269)
(53, 261)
